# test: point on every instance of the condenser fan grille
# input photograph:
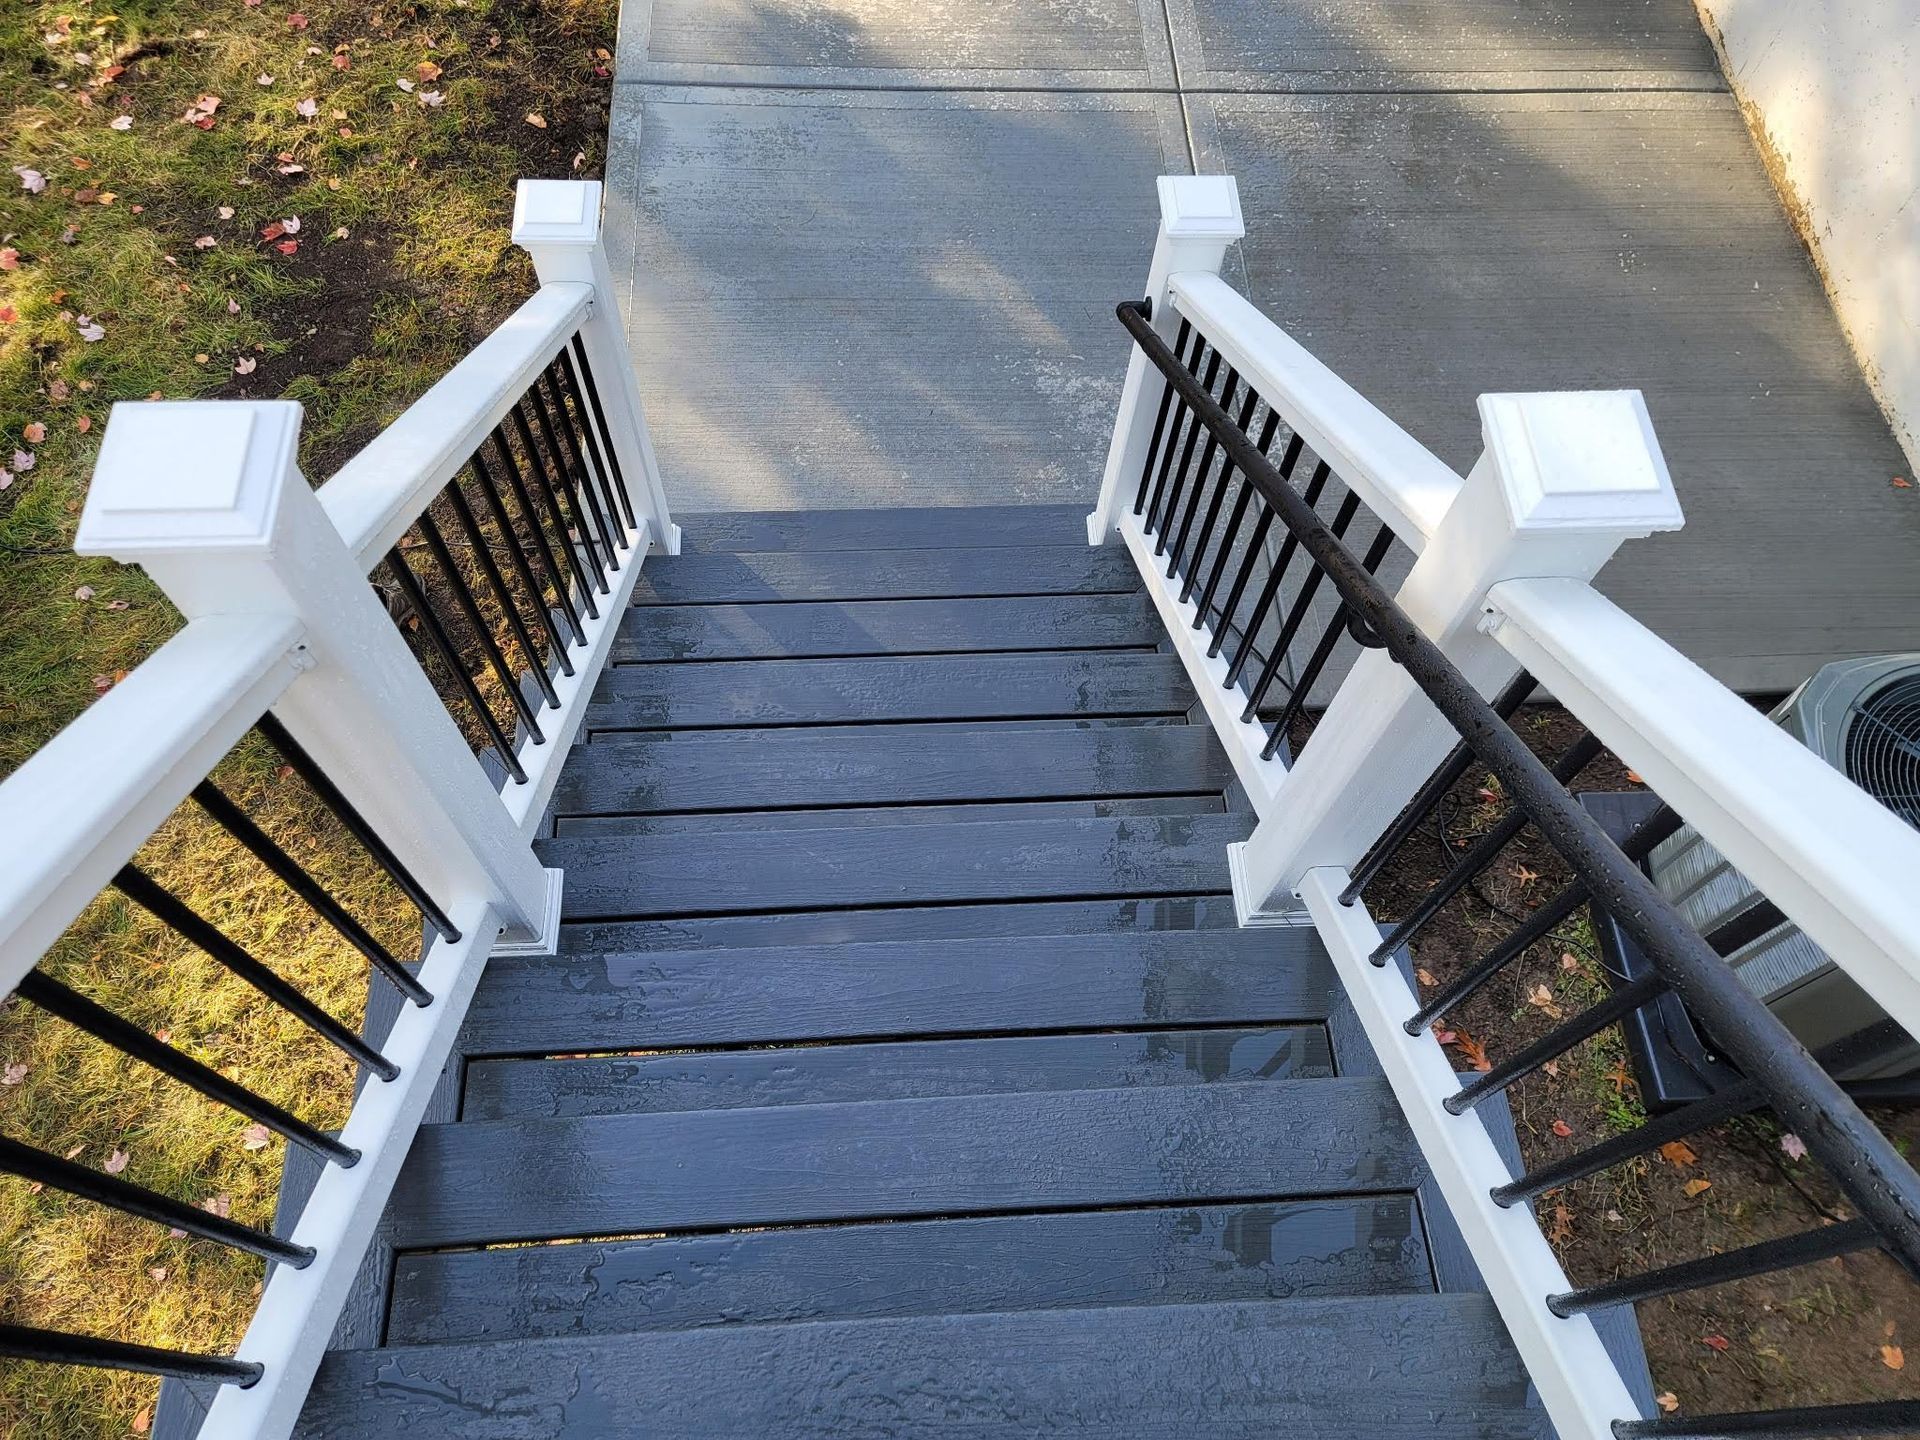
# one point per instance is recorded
(1883, 746)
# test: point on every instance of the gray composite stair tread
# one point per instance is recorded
(1340, 1368)
(1155, 915)
(882, 528)
(773, 993)
(918, 688)
(803, 770)
(886, 574)
(695, 827)
(813, 1074)
(634, 877)
(478, 1182)
(810, 629)
(1343, 1245)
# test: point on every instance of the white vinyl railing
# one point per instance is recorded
(272, 579)
(1504, 559)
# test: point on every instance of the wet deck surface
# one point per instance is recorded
(899, 992)
(872, 250)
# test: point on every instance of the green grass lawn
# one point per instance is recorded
(220, 198)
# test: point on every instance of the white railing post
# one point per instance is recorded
(1564, 480)
(557, 222)
(1199, 219)
(207, 498)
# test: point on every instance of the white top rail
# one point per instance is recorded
(1844, 868)
(381, 491)
(87, 800)
(1396, 477)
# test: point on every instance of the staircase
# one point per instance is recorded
(902, 1068)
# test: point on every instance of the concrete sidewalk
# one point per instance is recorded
(873, 249)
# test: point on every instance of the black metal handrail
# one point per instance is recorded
(1862, 1161)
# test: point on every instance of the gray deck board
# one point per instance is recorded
(1127, 915)
(901, 297)
(798, 770)
(917, 688)
(886, 574)
(1336, 1369)
(852, 532)
(695, 828)
(1441, 44)
(477, 1182)
(808, 630)
(814, 1074)
(1080, 44)
(613, 877)
(839, 989)
(1361, 1245)
(1433, 248)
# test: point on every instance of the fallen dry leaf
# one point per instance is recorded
(255, 1137)
(1667, 1401)
(13, 1074)
(120, 122)
(34, 431)
(537, 120)
(116, 1162)
(1697, 1187)
(1893, 1357)
(1678, 1152)
(1562, 1129)
(1793, 1146)
(1714, 1342)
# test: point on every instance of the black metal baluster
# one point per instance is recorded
(1867, 1047)
(1183, 414)
(1566, 769)
(1160, 421)
(1761, 1259)
(568, 426)
(1429, 795)
(130, 1199)
(1255, 548)
(580, 384)
(1562, 1038)
(1272, 588)
(1636, 847)
(470, 607)
(552, 479)
(1342, 518)
(55, 1347)
(1196, 560)
(355, 825)
(123, 1035)
(176, 915)
(1815, 1422)
(1303, 685)
(579, 486)
(1242, 500)
(430, 625)
(1159, 524)
(1207, 452)
(561, 534)
(503, 597)
(524, 569)
(237, 823)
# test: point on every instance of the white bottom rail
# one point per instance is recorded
(1578, 1382)
(299, 1308)
(1242, 739)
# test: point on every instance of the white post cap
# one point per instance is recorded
(1201, 207)
(1580, 460)
(556, 212)
(189, 474)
